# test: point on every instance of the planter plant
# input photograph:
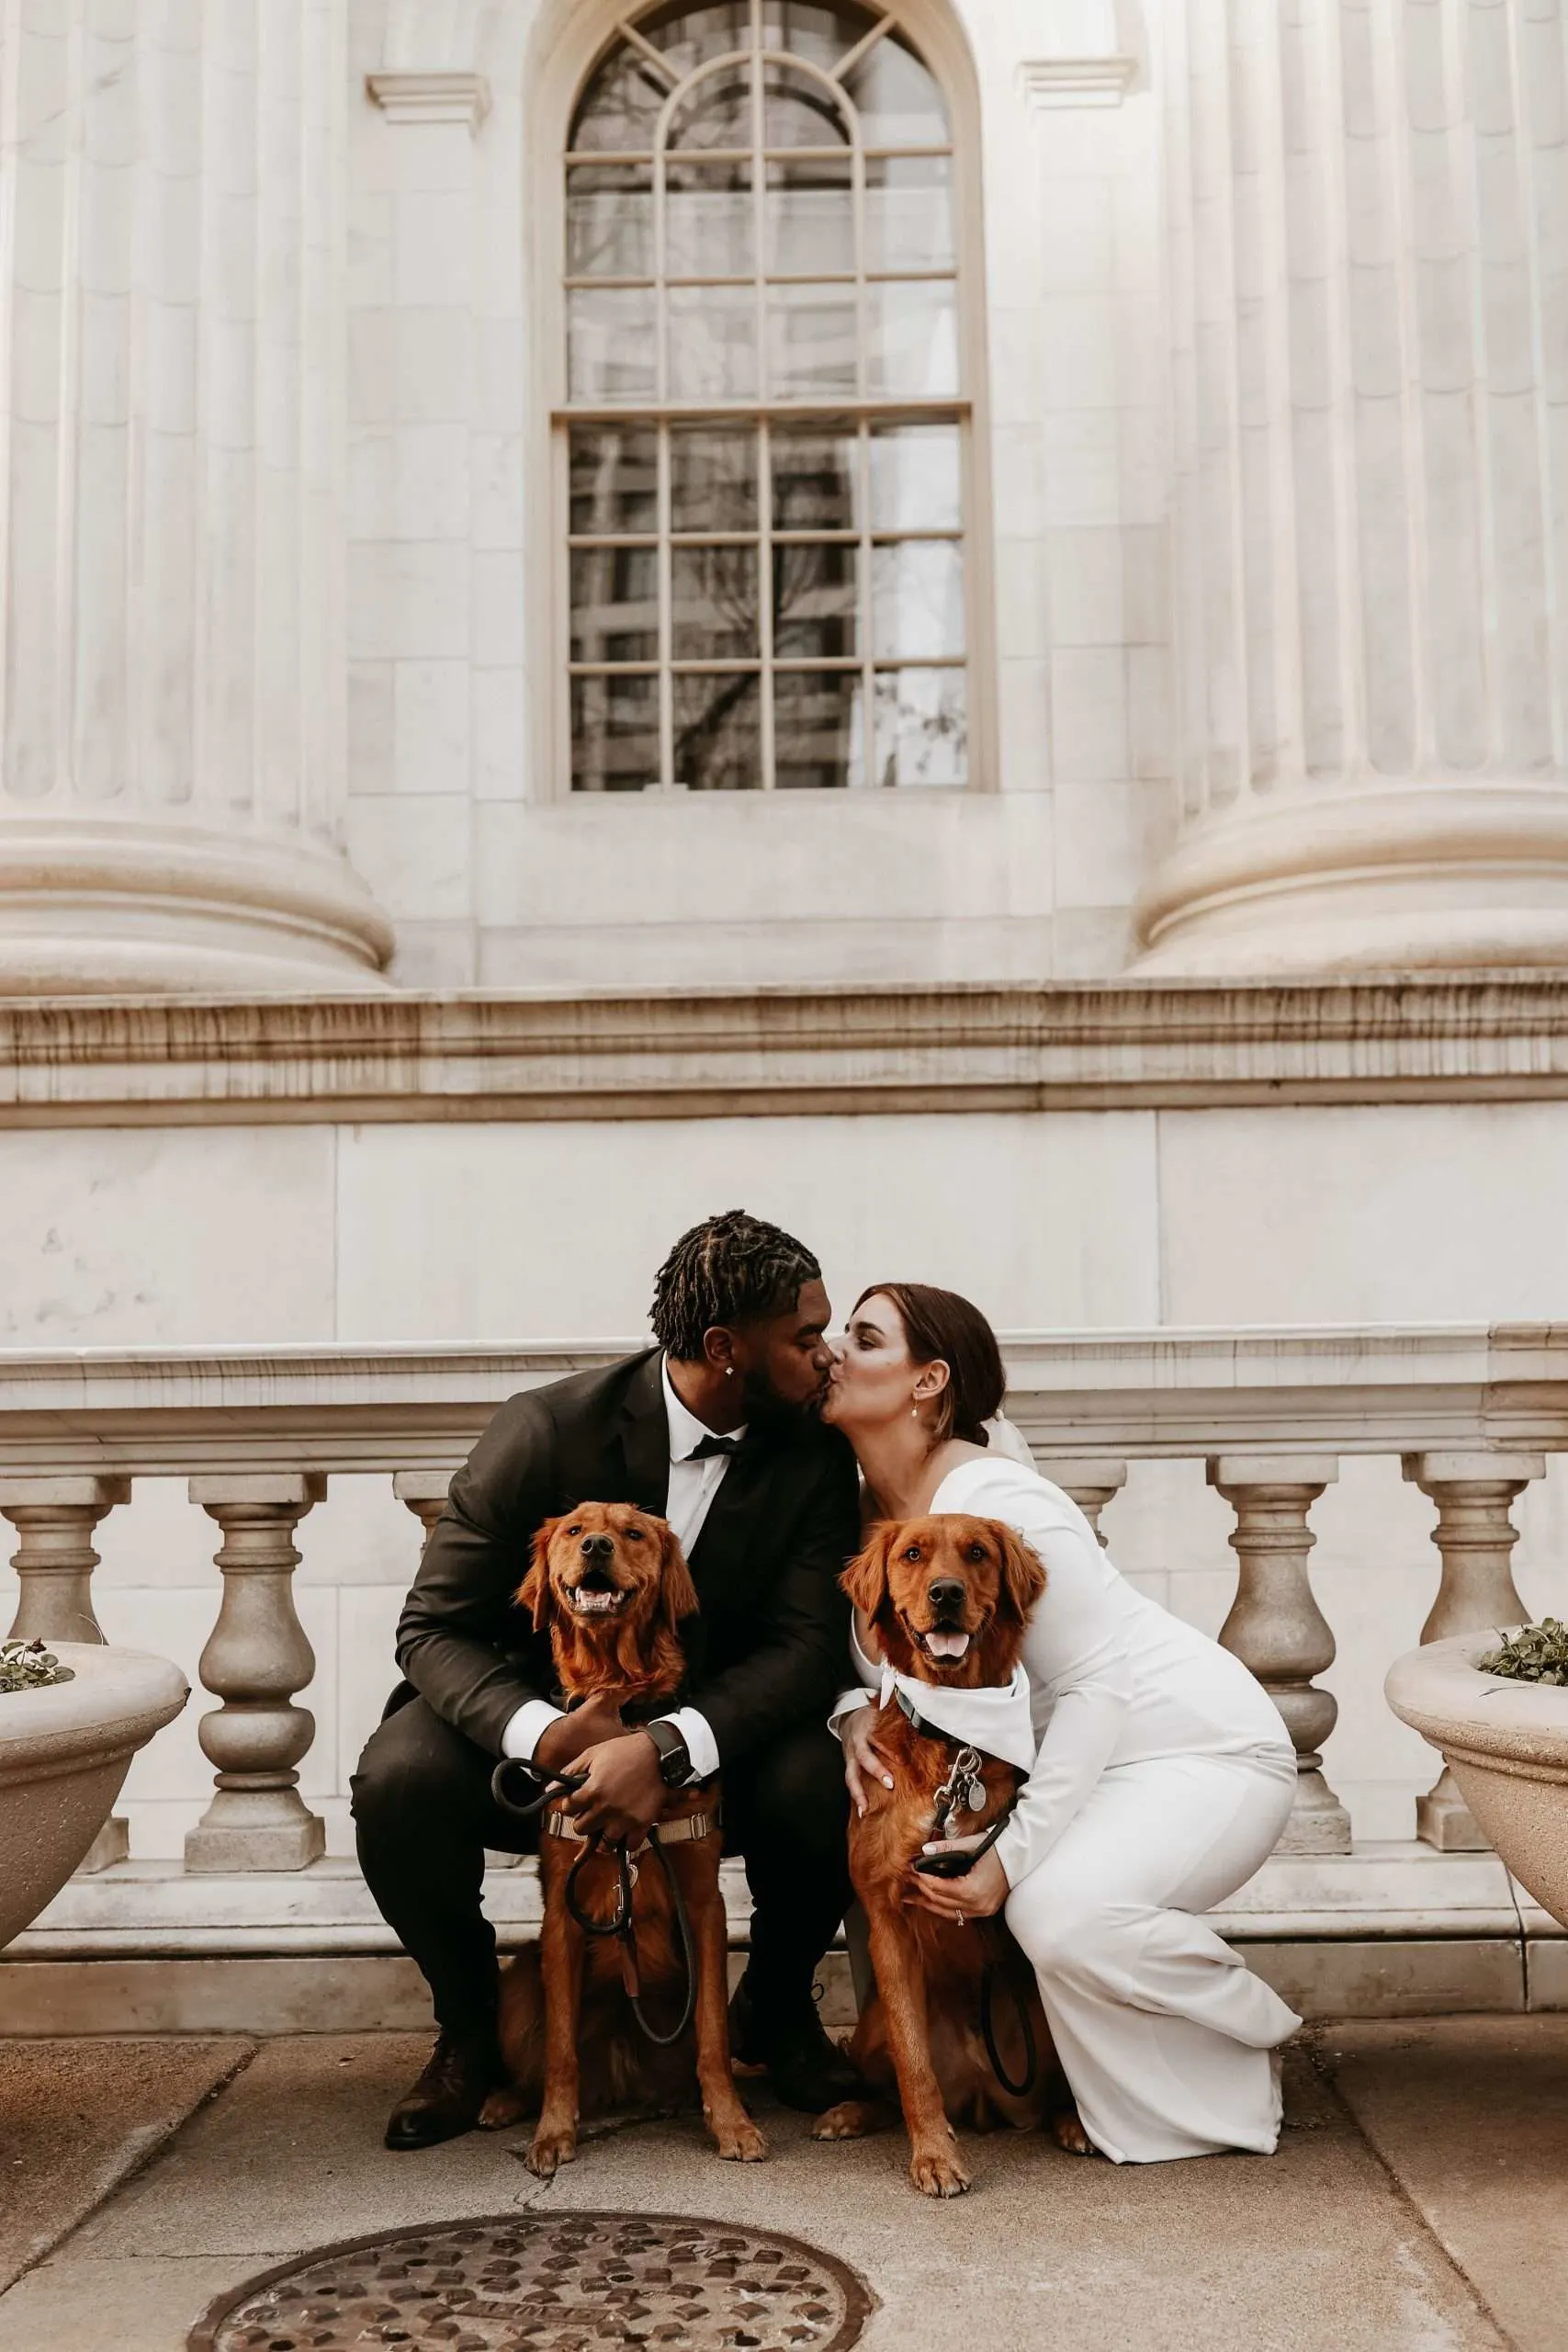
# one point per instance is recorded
(70, 1719)
(1496, 1704)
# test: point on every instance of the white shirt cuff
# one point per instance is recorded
(527, 1727)
(847, 1703)
(701, 1745)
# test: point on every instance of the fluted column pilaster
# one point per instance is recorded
(172, 656)
(1368, 272)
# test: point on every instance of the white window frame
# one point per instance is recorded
(556, 89)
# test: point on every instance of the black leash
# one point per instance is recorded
(620, 1924)
(964, 1787)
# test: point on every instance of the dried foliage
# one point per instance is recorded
(28, 1665)
(1535, 1653)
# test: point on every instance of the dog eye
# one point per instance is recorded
(913, 1553)
(634, 1535)
(976, 1552)
(575, 1530)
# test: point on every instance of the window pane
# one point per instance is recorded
(717, 747)
(614, 479)
(707, 221)
(822, 34)
(610, 344)
(712, 342)
(916, 478)
(690, 37)
(913, 333)
(614, 734)
(714, 603)
(917, 599)
(811, 220)
(899, 103)
(811, 340)
(921, 733)
(800, 111)
(818, 740)
(615, 604)
(814, 480)
(814, 600)
(620, 106)
(609, 220)
(909, 212)
(713, 479)
(718, 113)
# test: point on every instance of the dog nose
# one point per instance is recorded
(598, 1548)
(946, 1592)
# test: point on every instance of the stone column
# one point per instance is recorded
(1091, 1484)
(173, 676)
(1276, 1627)
(1368, 269)
(255, 1660)
(424, 1492)
(1475, 1538)
(54, 1559)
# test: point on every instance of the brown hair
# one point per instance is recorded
(941, 1328)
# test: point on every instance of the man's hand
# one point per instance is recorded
(624, 1793)
(864, 1760)
(560, 1744)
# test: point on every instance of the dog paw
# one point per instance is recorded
(936, 2171)
(549, 2151)
(740, 2142)
(503, 2108)
(851, 2120)
(1068, 2132)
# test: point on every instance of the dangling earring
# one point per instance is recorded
(913, 1412)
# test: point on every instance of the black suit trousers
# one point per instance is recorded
(423, 1816)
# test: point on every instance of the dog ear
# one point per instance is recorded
(865, 1579)
(1023, 1578)
(677, 1593)
(534, 1592)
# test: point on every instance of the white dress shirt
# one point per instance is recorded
(692, 1486)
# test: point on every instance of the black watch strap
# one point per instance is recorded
(674, 1756)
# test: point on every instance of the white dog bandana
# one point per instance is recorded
(995, 1719)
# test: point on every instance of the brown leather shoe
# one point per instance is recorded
(446, 2100)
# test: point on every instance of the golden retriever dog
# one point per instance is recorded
(947, 1599)
(609, 1583)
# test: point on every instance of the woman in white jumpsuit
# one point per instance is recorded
(1163, 1773)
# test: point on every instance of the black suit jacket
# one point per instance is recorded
(771, 1645)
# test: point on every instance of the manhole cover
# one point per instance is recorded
(575, 2283)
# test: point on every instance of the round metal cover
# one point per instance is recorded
(576, 2282)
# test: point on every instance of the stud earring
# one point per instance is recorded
(729, 1372)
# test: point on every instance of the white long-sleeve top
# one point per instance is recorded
(1114, 1678)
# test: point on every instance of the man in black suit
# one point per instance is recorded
(716, 1429)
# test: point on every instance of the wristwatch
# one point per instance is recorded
(674, 1756)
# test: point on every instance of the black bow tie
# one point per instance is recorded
(712, 1445)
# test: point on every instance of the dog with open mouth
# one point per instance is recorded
(609, 1583)
(947, 1598)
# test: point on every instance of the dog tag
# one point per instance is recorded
(974, 1797)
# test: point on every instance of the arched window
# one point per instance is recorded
(765, 425)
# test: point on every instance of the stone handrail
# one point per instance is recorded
(1472, 1410)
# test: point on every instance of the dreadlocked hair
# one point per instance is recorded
(730, 1269)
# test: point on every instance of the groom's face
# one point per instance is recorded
(785, 1360)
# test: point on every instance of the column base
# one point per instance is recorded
(255, 1829)
(89, 906)
(1444, 1820)
(1318, 1823)
(1426, 877)
(111, 1845)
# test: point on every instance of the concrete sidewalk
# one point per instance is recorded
(1417, 2204)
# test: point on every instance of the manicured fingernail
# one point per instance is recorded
(887, 1780)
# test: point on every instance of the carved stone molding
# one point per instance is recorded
(414, 95)
(1050, 82)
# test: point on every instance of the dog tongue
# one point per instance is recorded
(947, 1644)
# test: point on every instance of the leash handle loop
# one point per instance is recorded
(540, 1787)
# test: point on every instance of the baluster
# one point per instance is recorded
(1091, 1484)
(257, 1657)
(1276, 1627)
(54, 1559)
(1475, 1537)
(424, 1492)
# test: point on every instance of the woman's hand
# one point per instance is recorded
(863, 1758)
(979, 1895)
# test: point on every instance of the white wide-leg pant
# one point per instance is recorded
(1164, 2034)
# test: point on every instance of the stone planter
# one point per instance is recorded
(1508, 1743)
(64, 1753)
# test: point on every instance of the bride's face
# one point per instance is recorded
(873, 1378)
